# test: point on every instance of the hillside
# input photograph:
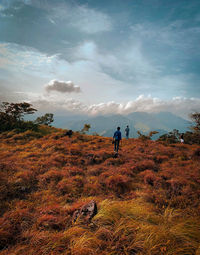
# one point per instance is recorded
(163, 122)
(148, 199)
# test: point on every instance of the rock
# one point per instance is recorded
(86, 212)
(68, 133)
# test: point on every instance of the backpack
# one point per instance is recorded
(116, 135)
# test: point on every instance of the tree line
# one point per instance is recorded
(12, 117)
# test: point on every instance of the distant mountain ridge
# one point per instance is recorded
(163, 122)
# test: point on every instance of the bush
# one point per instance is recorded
(13, 224)
(151, 178)
(119, 184)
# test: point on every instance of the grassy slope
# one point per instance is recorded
(148, 198)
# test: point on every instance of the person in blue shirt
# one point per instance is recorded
(117, 137)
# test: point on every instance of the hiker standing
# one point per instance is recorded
(117, 137)
(127, 132)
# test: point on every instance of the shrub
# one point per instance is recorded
(92, 187)
(73, 185)
(119, 184)
(143, 165)
(51, 222)
(196, 154)
(51, 177)
(13, 223)
(151, 178)
(114, 161)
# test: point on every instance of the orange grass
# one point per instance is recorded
(148, 198)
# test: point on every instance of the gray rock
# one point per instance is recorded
(86, 212)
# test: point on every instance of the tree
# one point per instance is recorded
(194, 136)
(85, 128)
(146, 137)
(46, 119)
(171, 137)
(12, 114)
(17, 110)
(196, 117)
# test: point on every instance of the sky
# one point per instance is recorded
(101, 57)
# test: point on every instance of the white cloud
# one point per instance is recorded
(56, 104)
(7, 3)
(177, 105)
(132, 71)
(90, 21)
(128, 64)
(81, 17)
(62, 86)
(177, 35)
(135, 73)
(87, 50)
(30, 69)
(21, 58)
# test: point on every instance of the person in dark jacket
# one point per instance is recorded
(127, 132)
(117, 137)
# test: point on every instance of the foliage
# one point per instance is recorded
(192, 137)
(46, 119)
(17, 110)
(146, 137)
(196, 117)
(171, 137)
(189, 137)
(85, 128)
(11, 116)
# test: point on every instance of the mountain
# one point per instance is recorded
(163, 122)
(104, 125)
(63, 121)
(172, 121)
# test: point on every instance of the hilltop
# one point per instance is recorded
(148, 198)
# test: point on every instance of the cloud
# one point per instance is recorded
(71, 14)
(90, 21)
(177, 105)
(5, 4)
(7, 95)
(127, 64)
(22, 58)
(62, 86)
(103, 77)
(134, 72)
(55, 103)
(136, 62)
(26, 69)
(179, 36)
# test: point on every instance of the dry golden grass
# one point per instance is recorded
(148, 199)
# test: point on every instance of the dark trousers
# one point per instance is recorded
(116, 148)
